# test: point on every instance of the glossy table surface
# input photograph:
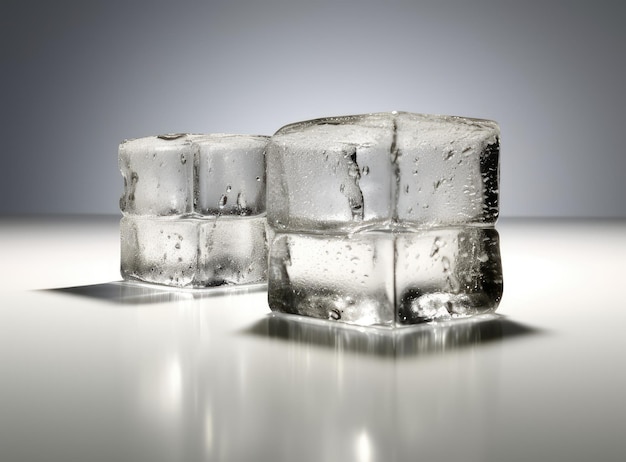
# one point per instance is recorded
(94, 369)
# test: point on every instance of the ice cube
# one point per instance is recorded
(194, 210)
(231, 175)
(160, 251)
(386, 278)
(447, 170)
(158, 175)
(194, 253)
(342, 278)
(384, 219)
(445, 273)
(232, 250)
(331, 174)
(383, 170)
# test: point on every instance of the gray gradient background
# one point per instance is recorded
(78, 77)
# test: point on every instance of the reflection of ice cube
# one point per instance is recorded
(194, 210)
(383, 278)
(188, 252)
(383, 170)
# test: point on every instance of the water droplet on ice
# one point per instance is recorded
(222, 202)
(437, 244)
(171, 136)
(241, 201)
(228, 188)
(366, 170)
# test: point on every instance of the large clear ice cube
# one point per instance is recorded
(384, 219)
(194, 210)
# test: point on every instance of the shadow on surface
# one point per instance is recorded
(423, 339)
(130, 293)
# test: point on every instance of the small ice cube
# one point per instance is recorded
(194, 210)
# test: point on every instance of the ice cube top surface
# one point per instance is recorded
(382, 171)
(202, 175)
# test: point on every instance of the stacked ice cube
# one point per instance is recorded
(384, 219)
(194, 210)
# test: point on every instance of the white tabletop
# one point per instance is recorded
(93, 369)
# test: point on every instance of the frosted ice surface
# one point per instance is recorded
(384, 219)
(194, 210)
